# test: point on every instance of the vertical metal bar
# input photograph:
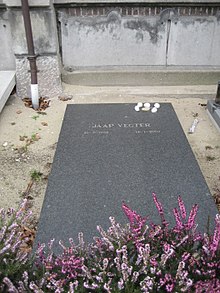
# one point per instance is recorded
(30, 44)
(217, 99)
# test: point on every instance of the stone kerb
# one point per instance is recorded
(17, 3)
(165, 2)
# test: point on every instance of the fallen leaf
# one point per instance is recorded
(44, 123)
(65, 98)
(27, 237)
(28, 189)
(43, 104)
(41, 113)
(22, 137)
(37, 136)
(18, 111)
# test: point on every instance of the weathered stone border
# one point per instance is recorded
(140, 10)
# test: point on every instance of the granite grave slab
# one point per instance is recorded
(109, 153)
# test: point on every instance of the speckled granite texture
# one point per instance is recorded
(48, 76)
(109, 153)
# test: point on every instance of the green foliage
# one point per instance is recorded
(13, 259)
(36, 175)
(134, 258)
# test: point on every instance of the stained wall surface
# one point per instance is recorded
(131, 35)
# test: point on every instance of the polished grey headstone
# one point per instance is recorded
(109, 153)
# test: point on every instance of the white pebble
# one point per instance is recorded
(147, 105)
(137, 109)
(145, 109)
(157, 105)
(5, 144)
(140, 104)
(154, 110)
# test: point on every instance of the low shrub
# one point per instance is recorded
(14, 254)
(138, 257)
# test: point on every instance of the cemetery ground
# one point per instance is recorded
(28, 139)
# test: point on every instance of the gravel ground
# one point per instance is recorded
(28, 139)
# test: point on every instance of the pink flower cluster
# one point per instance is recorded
(132, 258)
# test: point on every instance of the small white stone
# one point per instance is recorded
(147, 105)
(145, 109)
(154, 110)
(157, 105)
(140, 104)
(137, 109)
(5, 144)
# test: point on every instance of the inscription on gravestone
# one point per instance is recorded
(109, 153)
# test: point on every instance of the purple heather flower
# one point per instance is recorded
(169, 287)
(179, 224)
(12, 226)
(160, 210)
(191, 221)
(25, 277)
(81, 240)
(10, 212)
(4, 249)
(105, 263)
(35, 288)
(136, 221)
(182, 241)
(24, 220)
(11, 287)
(137, 224)
(23, 258)
(206, 249)
(182, 207)
(121, 284)
(189, 283)
(135, 276)
(185, 256)
(71, 288)
(153, 261)
(99, 279)
(166, 248)
(162, 281)
(168, 277)
(117, 262)
(2, 232)
(107, 287)
(216, 237)
(124, 266)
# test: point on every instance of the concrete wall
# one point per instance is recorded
(79, 35)
(7, 58)
(112, 41)
(43, 26)
(45, 37)
(139, 36)
(195, 41)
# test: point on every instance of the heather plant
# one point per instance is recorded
(13, 258)
(138, 257)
